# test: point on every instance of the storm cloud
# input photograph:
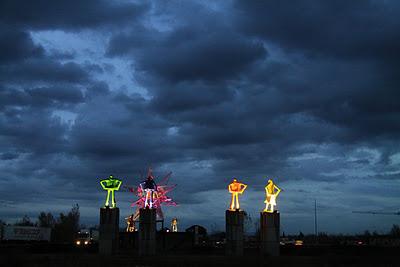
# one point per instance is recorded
(302, 92)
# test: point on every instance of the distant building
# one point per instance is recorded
(199, 233)
(197, 229)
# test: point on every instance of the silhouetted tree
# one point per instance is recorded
(1, 228)
(257, 227)
(46, 220)
(395, 231)
(301, 235)
(25, 221)
(74, 215)
(248, 222)
(214, 228)
(67, 225)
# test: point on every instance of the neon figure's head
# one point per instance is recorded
(269, 181)
(111, 177)
(150, 174)
(234, 180)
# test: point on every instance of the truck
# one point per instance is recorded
(87, 237)
(25, 233)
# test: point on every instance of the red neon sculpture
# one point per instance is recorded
(159, 196)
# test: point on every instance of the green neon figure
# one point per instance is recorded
(111, 184)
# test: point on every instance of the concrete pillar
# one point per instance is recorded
(234, 232)
(269, 233)
(109, 230)
(147, 232)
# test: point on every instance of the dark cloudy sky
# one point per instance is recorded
(304, 92)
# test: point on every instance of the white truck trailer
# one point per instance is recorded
(25, 233)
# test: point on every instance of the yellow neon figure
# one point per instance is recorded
(174, 225)
(236, 188)
(272, 192)
(111, 184)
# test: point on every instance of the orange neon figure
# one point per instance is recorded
(272, 192)
(236, 188)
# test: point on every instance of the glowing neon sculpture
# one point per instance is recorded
(130, 224)
(236, 188)
(149, 188)
(157, 198)
(111, 184)
(271, 191)
(174, 225)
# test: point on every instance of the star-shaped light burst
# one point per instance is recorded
(160, 197)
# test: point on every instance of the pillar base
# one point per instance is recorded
(234, 232)
(269, 233)
(147, 232)
(109, 230)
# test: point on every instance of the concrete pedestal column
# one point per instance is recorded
(109, 229)
(269, 233)
(234, 232)
(147, 232)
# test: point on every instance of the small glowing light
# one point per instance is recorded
(298, 242)
(111, 184)
(271, 192)
(86, 242)
(236, 188)
(78, 242)
(174, 225)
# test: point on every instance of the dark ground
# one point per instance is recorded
(305, 256)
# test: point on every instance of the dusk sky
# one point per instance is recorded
(303, 92)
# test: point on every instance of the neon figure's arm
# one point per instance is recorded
(155, 186)
(102, 185)
(229, 189)
(244, 186)
(141, 186)
(278, 190)
(119, 184)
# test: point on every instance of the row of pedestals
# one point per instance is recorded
(109, 229)
(269, 233)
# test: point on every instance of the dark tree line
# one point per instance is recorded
(395, 231)
(63, 228)
(25, 221)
